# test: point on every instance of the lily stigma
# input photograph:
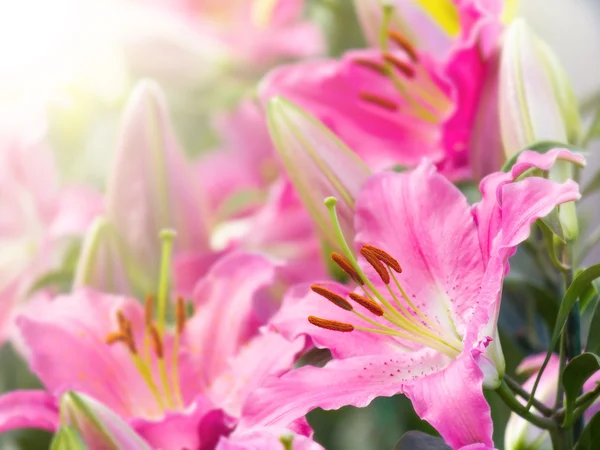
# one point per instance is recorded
(392, 311)
(151, 356)
(419, 94)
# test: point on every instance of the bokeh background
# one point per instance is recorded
(75, 61)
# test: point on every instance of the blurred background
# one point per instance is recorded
(72, 63)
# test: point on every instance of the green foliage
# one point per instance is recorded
(574, 376)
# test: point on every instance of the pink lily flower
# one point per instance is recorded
(177, 388)
(397, 104)
(38, 217)
(519, 432)
(424, 324)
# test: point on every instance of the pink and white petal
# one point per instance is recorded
(265, 356)
(199, 426)
(65, 338)
(28, 409)
(228, 307)
(189, 268)
(452, 401)
(488, 213)
(266, 438)
(423, 220)
(300, 302)
(353, 381)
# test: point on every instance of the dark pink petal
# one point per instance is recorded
(28, 409)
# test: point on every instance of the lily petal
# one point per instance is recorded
(28, 409)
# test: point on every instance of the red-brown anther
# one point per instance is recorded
(180, 315)
(157, 343)
(402, 42)
(384, 257)
(149, 310)
(115, 337)
(376, 264)
(378, 101)
(331, 324)
(334, 298)
(121, 320)
(345, 265)
(402, 66)
(372, 65)
(129, 339)
(367, 303)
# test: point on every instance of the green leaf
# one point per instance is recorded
(417, 440)
(577, 288)
(593, 338)
(539, 147)
(576, 373)
(591, 435)
(67, 438)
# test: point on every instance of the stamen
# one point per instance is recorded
(379, 101)
(149, 310)
(372, 65)
(129, 338)
(384, 257)
(180, 315)
(376, 264)
(114, 337)
(157, 342)
(345, 265)
(402, 42)
(180, 320)
(402, 66)
(331, 324)
(367, 304)
(334, 298)
(121, 320)
(162, 369)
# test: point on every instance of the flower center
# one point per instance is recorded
(149, 359)
(391, 311)
(418, 93)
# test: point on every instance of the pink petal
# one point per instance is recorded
(265, 438)
(200, 426)
(425, 222)
(65, 339)
(353, 381)
(452, 401)
(265, 356)
(28, 409)
(228, 303)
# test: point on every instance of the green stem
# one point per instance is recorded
(518, 389)
(517, 407)
(167, 237)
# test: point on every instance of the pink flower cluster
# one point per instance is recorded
(199, 283)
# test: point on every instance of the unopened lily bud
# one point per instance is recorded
(537, 104)
(318, 164)
(151, 186)
(536, 100)
(67, 438)
(99, 427)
